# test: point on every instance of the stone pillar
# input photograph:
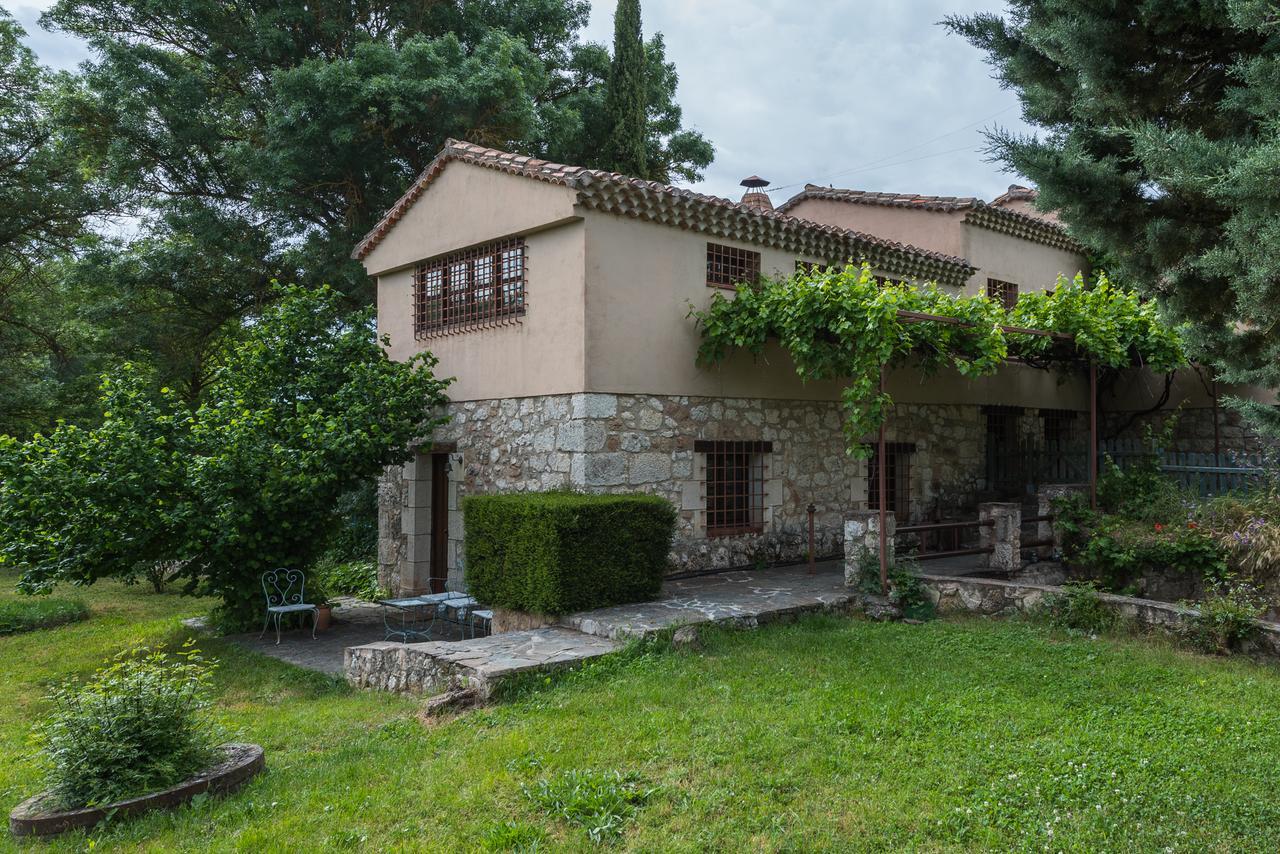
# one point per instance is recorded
(862, 542)
(391, 539)
(415, 571)
(1045, 496)
(1003, 535)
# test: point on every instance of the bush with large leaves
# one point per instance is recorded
(304, 406)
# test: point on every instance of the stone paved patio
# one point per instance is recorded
(748, 598)
(744, 598)
(357, 623)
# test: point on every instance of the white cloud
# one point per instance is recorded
(802, 91)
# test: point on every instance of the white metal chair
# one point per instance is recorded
(286, 592)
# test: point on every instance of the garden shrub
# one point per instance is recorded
(25, 615)
(1116, 549)
(1078, 608)
(1225, 619)
(907, 590)
(559, 552)
(357, 578)
(139, 725)
(1120, 551)
(1247, 526)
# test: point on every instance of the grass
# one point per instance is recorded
(31, 613)
(826, 734)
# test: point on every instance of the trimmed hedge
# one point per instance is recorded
(560, 552)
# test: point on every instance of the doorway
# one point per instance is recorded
(439, 522)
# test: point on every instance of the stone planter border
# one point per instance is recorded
(241, 763)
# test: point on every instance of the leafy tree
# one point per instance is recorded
(46, 199)
(626, 94)
(303, 121)
(1160, 151)
(259, 141)
(304, 407)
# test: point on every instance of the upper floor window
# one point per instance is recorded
(484, 286)
(735, 485)
(729, 266)
(1005, 293)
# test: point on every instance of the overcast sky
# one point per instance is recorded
(870, 94)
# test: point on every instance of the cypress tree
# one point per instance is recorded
(626, 96)
(1160, 150)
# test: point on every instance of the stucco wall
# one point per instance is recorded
(1033, 266)
(938, 231)
(641, 281)
(466, 205)
(541, 354)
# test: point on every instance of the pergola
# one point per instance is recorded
(882, 470)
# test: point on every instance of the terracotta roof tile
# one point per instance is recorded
(990, 216)
(682, 208)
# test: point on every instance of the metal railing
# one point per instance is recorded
(924, 530)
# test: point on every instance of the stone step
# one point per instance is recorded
(434, 667)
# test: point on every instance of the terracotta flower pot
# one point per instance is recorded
(324, 617)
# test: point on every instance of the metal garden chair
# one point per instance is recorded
(286, 592)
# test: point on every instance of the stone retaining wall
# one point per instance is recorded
(952, 594)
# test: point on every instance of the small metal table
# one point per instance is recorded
(417, 615)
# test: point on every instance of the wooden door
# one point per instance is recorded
(439, 522)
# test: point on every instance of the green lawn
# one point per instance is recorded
(824, 734)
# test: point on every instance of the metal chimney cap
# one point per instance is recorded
(754, 181)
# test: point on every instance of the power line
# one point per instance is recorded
(881, 161)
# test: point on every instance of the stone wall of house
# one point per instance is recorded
(643, 443)
(1192, 432)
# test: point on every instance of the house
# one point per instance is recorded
(559, 299)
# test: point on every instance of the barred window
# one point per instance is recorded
(897, 478)
(1059, 424)
(735, 477)
(729, 266)
(484, 286)
(1005, 293)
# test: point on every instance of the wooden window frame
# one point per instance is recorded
(734, 485)
(1003, 292)
(475, 288)
(730, 266)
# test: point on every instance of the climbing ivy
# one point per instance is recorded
(844, 324)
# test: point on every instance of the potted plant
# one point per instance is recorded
(324, 607)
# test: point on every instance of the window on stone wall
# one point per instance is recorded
(1007, 450)
(734, 484)
(897, 479)
(1005, 293)
(1059, 424)
(479, 287)
(1063, 458)
(729, 266)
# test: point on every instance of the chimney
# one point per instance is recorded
(755, 197)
